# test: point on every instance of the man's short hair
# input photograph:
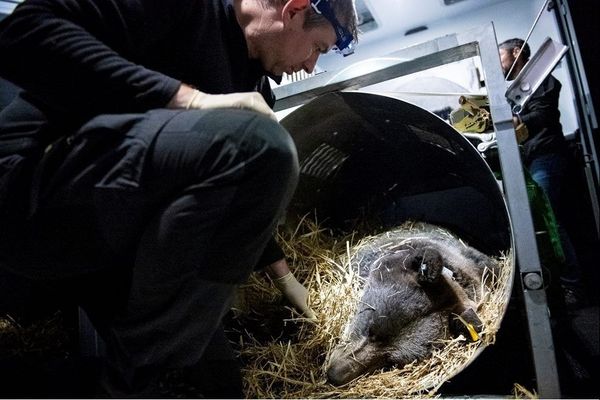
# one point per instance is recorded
(344, 10)
(516, 43)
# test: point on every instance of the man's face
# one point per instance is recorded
(507, 58)
(295, 48)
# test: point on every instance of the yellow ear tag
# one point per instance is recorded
(473, 332)
(474, 335)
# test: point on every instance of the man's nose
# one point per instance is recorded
(309, 65)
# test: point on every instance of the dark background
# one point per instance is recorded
(586, 18)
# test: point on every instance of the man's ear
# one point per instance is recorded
(294, 8)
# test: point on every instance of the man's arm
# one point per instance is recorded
(289, 286)
(275, 265)
(77, 56)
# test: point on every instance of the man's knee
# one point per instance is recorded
(278, 148)
(222, 144)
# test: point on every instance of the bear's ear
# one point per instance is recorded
(431, 265)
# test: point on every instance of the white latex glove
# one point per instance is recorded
(296, 293)
(243, 100)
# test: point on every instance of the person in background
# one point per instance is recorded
(142, 170)
(544, 153)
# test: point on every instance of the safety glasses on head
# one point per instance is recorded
(344, 44)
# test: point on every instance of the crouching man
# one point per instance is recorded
(141, 170)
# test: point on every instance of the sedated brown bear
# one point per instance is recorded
(418, 282)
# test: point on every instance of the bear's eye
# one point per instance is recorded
(373, 336)
(377, 335)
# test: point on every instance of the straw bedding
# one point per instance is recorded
(44, 337)
(287, 358)
(284, 355)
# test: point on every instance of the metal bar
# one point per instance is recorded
(568, 29)
(421, 58)
(540, 333)
(586, 117)
(527, 37)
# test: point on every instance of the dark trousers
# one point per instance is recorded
(151, 221)
(548, 171)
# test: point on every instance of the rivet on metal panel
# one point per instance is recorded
(533, 281)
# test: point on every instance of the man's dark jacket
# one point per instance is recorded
(106, 57)
(542, 118)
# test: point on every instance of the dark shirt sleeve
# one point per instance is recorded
(542, 109)
(271, 254)
(79, 56)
